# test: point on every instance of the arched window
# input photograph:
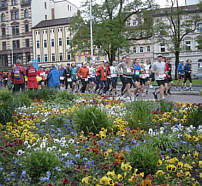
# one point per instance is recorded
(26, 13)
(3, 17)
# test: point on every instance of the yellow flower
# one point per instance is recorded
(195, 138)
(142, 174)
(179, 174)
(200, 164)
(195, 155)
(111, 174)
(179, 165)
(174, 168)
(85, 180)
(200, 175)
(110, 181)
(187, 174)
(106, 154)
(126, 167)
(159, 173)
(159, 163)
(195, 183)
(120, 177)
(104, 180)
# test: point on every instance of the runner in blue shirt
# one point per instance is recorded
(74, 76)
(136, 76)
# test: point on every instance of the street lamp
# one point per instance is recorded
(91, 28)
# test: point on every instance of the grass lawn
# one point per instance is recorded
(195, 82)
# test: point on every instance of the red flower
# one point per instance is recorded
(65, 181)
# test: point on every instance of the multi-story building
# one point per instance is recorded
(51, 41)
(189, 45)
(192, 2)
(51, 9)
(15, 32)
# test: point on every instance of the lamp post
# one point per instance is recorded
(91, 28)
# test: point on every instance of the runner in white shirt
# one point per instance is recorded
(143, 78)
(158, 68)
(147, 67)
(114, 75)
(91, 79)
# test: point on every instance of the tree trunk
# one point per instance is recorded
(177, 60)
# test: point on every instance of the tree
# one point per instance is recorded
(110, 31)
(177, 24)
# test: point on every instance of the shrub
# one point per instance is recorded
(166, 106)
(144, 158)
(194, 116)
(90, 119)
(63, 97)
(139, 114)
(5, 95)
(39, 162)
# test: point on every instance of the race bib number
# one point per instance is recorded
(69, 80)
(86, 79)
(143, 76)
(137, 72)
(129, 70)
(62, 77)
(162, 76)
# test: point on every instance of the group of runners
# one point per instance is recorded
(102, 78)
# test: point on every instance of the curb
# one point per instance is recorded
(194, 93)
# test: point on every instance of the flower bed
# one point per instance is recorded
(109, 144)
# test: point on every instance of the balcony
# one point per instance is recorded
(3, 7)
(26, 3)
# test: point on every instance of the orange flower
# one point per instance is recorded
(95, 150)
(116, 155)
(134, 132)
(146, 183)
(121, 157)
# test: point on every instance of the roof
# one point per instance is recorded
(53, 22)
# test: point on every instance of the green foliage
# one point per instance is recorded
(39, 162)
(44, 93)
(139, 114)
(64, 96)
(90, 119)
(166, 106)
(164, 142)
(144, 158)
(194, 116)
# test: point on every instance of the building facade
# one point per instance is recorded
(15, 32)
(51, 9)
(51, 41)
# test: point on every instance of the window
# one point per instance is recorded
(3, 3)
(26, 13)
(16, 44)
(200, 64)
(53, 57)
(45, 57)
(162, 48)
(45, 43)
(188, 45)
(27, 43)
(52, 42)
(38, 44)
(38, 58)
(3, 17)
(14, 15)
(148, 49)
(69, 56)
(199, 28)
(61, 56)
(4, 45)
(134, 49)
(79, 59)
(3, 31)
(26, 27)
(46, 17)
(68, 41)
(15, 30)
(28, 57)
(45, 5)
(141, 49)
(14, 2)
(86, 58)
(60, 41)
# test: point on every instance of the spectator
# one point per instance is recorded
(54, 78)
(31, 74)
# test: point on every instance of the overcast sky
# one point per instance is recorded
(161, 2)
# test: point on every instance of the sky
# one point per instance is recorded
(162, 3)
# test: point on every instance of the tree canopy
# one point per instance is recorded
(111, 29)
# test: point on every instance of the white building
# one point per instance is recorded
(51, 9)
(192, 2)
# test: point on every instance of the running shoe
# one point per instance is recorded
(155, 95)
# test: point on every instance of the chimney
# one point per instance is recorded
(52, 13)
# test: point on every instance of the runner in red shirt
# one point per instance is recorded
(83, 73)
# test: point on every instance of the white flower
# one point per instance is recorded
(43, 145)
(56, 140)
(26, 143)
(62, 144)
(150, 132)
(63, 140)
(36, 149)
(54, 147)
(20, 152)
(28, 146)
(49, 149)
(71, 141)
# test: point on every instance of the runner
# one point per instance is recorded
(74, 77)
(41, 74)
(136, 77)
(147, 68)
(143, 79)
(31, 74)
(54, 78)
(128, 70)
(114, 76)
(68, 76)
(180, 76)
(103, 71)
(91, 80)
(169, 80)
(158, 68)
(62, 77)
(83, 73)
(187, 70)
